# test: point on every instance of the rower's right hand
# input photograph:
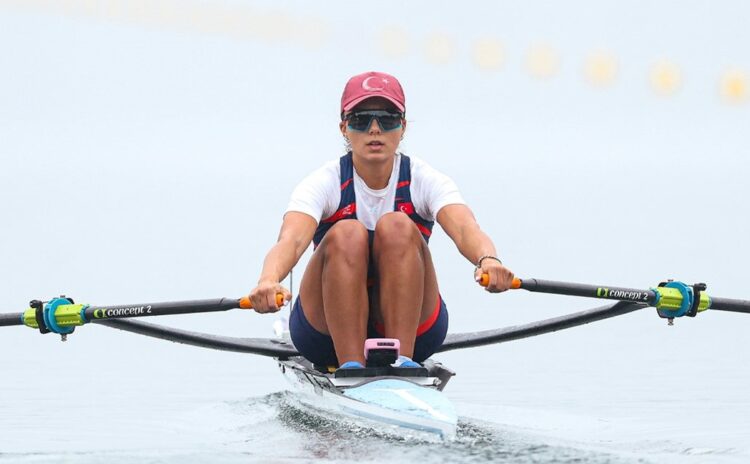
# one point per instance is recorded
(264, 299)
(494, 276)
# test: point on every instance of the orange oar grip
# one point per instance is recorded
(485, 281)
(245, 302)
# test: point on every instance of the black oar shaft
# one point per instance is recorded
(11, 319)
(623, 294)
(590, 291)
(160, 309)
(730, 304)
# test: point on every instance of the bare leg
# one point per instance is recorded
(334, 289)
(408, 290)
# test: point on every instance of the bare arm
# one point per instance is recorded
(295, 236)
(459, 223)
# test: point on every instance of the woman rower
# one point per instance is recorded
(370, 215)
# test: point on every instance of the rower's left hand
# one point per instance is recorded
(500, 277)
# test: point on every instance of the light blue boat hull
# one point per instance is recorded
(398, 405)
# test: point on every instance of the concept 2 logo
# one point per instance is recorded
(616, 294)
(104, 313)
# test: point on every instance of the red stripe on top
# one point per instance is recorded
(343, 186)
(423, 327)
(427, 325)
(427, 232)
(347, 210)
(403, 183)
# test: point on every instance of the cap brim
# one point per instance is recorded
(359, 100)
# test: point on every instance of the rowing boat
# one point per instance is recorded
(391, 403)
(383, 398)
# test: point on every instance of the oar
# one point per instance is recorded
(671, 299)
(61, 315)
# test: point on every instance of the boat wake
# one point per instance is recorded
(324, 436)
(279, 428)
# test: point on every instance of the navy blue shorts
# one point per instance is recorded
(318, 347)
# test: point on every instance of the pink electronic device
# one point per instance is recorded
(381, 351)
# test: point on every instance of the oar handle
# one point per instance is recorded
(245, 302)
(485, 281)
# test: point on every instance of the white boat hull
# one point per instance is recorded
(397, 405)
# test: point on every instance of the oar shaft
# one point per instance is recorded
(61, 315)
(11, 319)
(590, 291)
(730, 304)
(672, 298)
(160, 309)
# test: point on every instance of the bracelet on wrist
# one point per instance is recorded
(479, 261)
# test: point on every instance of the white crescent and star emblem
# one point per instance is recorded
(370, 87)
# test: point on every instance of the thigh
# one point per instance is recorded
(311, 291)
(311, 287)
(431, 292)
(313, 345)
(428, 342)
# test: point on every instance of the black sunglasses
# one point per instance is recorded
(360, 121)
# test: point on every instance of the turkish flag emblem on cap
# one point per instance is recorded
(372, 84)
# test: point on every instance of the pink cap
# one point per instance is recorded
(372, 84)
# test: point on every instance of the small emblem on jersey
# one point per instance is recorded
(347, 210)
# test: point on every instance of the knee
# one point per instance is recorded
(347, 238)
(397, 229)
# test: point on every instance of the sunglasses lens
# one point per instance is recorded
(360, 121)
(390, 122)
